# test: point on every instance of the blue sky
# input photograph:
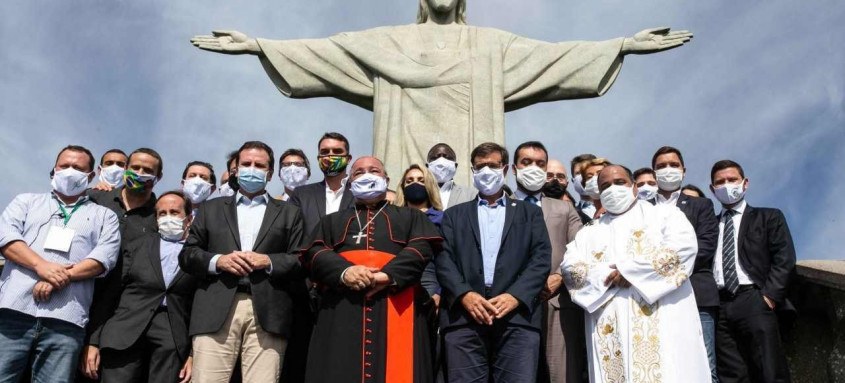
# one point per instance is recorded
(762, 83)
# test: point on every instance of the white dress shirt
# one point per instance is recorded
(446, 192)
(672, 200)
(333, 198)
(718, 274)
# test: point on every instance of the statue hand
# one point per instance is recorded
(655, 40)
(228, 42)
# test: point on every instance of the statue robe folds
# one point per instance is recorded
(421, 94)
(649, 332)
(383, 339)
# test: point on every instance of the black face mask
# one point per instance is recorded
(554, 189)
(416, 193)
(233, 182)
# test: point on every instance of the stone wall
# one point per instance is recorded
(815, 341)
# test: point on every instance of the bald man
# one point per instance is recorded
(557, 181)
(368, 262)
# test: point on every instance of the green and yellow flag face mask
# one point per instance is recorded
(135, 182)
(332, 165)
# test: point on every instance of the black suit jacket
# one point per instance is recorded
(522, 264)
(766, 252)
(215, 231)
(135, 293)
(311, 199)
(702, 216)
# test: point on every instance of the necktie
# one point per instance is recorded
(531, 199)
(729, 253)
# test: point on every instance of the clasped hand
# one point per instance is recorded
(359, 278)
(242, 263)
(484, 311)
(616, 279)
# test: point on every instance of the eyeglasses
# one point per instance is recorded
(491, 165)
(556, 176)
(293, 163)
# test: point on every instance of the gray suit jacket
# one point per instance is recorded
(460, 194)
(562, 222)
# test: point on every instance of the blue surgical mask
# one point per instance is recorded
(252, 180)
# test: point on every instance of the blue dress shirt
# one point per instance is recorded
(491, 222)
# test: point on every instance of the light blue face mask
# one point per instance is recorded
(252, 180)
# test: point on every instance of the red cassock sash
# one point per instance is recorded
(400, 319)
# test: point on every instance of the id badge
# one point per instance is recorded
(59, 239)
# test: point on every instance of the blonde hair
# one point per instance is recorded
(603, 162)
(430, 186)
(460, 12)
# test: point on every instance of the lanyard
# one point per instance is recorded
(67, 215)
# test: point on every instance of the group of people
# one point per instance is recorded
(633, 277)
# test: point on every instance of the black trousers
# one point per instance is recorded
(477, 353)
(748, 345)
(153, 357)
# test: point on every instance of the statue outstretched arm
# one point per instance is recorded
(655, 40)
(228, 42)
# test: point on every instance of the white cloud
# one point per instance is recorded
(761, 83)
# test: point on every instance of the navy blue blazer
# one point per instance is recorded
(521, 269)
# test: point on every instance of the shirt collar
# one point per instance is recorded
(499, 202)
(672, 198)
(519, 194)
(739, 208)
(447, 186)
(259, 199)
(340, 190)
(79, 201)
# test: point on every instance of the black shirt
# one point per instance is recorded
(133, 223)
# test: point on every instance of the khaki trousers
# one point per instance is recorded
(261, 352)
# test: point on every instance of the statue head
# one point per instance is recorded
(437, 6)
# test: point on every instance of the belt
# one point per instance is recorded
(245, 288)
(728, 296)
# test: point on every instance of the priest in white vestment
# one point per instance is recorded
(629, 270)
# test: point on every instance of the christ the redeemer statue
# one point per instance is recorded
(440, 80)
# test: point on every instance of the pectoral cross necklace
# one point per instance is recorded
(361, 234)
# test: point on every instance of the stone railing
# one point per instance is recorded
(815, 342)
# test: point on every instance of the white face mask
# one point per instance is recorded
(532, 178)
(729, 194)
(225, 190)
(171, 228)
(293, 176)
(592, 187)
(197, 189)
(443, 169)
(617, 198)
(576, 184)
(112, 175)
(69, 182)
(647, 192)
(669, 179)
(488, 181)
(368, 187)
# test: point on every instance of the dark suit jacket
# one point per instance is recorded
(766, 252)
(702, 216)
(138, 291)
(311, 199)
(215, 231)
(522, 264)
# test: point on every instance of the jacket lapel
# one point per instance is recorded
(683, 203)
(346, 200)
(473, 222)
(230, 213)
(274, 207)
(154, 256)
(510, 209)
(322, 200)
(749, 215)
